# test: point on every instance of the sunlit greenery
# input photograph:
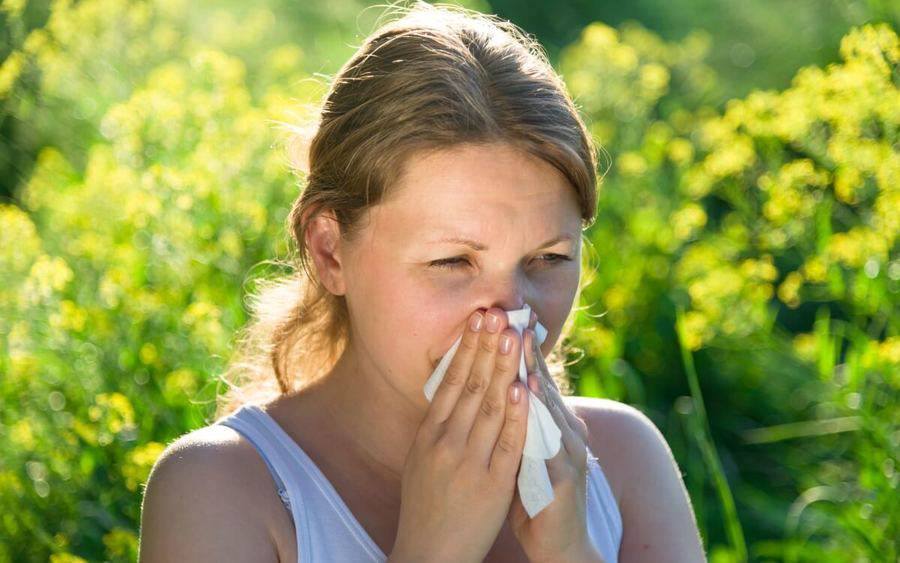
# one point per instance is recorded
(773, 225)
(746, 257)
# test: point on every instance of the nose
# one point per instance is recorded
(506, 293)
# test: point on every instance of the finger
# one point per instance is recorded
(553, 394)
(516, 515)
(574, 422)
(572, 443)
(570, 462)
(459, 425)
(527, 343)
(490, 417)
(573, 430)
(539, 388)
(559, 418)
(541, 364)
(559, 467)
(534, 383)
(529, 359)
(533, 377)
(539, 367)
(507, 451)
(545, 387)
(448, 392)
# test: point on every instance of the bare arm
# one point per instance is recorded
(198, 506)
(658, 522)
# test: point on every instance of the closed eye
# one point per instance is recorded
(460, 262)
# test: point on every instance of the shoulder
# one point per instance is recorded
(645, 479)
(207, 499)
(622, 437)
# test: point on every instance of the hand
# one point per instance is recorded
(559, 531)
(460, 473)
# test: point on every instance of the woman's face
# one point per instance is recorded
(407, 308)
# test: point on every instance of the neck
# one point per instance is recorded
(374, 418)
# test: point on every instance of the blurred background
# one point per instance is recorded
(746, 269)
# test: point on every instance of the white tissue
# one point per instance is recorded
(542, 437)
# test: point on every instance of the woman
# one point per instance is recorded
(448, 183)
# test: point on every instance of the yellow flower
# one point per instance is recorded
(815, 269)
(116, 409)
(138, 463)
(731, 157)
(10, 71)
(180, 384)
(121, 543)
(231, 243)
(148, 354)
(13, 8)
(632, 164)
(854, 247)
(872, 44)
(623, 58)
(789, 290)
(70, 317)
(654, 80)
(680, 151)
(846, 182)
(763, 269)
(687, 220)
(19, 242)
(600, 342)
(806, 346)
(22, 434)
(616, 297)
(284, 59)
(66, 558)
(696, 330)
(696, 182)
(889, 351)
(599, 35)
(48, 275)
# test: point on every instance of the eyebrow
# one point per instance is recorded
(475, 245)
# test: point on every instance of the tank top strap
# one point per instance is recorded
(601, 495)
(253, 435)
(254, 425)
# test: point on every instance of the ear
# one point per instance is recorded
(323, 241)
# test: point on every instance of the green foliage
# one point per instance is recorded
(122, 272)
(772, 223)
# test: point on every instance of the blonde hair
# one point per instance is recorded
(436, 77)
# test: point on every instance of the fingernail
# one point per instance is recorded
(516, 393)
(493, 322)
(505, 344)
(475, 322)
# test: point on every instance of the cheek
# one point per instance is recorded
(399, 318)
(553, 303)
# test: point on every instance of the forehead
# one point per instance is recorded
(481, 190)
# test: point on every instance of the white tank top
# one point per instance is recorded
(327, 530)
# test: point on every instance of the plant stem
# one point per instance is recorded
(708, 449)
